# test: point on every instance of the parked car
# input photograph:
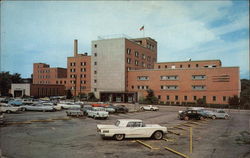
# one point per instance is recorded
(69, 105)
(149, 108)
(15, 102)
(109, 109)
(121, 109)
(2, 118)
(219, 113)
(131, 128)
(76, 113)
(98, 112)
(86, 108)
(7, 108)
(37, 107)
(191, 114)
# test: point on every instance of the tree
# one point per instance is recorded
(245, 94)
(150, 98)
(234, 101)
(69, 94)
(91, 97)
(5, 82)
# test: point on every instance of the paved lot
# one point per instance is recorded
(58, 136)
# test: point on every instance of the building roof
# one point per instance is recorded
(188, 61)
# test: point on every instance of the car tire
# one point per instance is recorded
(119, 137)
(213, 117)
(202, 118)
(23, 109)
(8, 111)
(151, 109)
(226, 117)
(158, 135)
(186, 118)
(94, 117)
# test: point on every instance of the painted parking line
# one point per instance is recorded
(187, 125)
(63, 118)
(146, 145)
(195, 123)
(18, 123)
(176, 152)
(180, 128)
(48, 120)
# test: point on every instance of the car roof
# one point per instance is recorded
(128, 120)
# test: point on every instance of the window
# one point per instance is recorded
(189, 66)
(224, 98)
(159, 66)
(159, 96)
(174, 77)
(95, 81)
(198, 87)
(95, 54)
(204, 98)
(132, 87)
(128, 60)
(136, 53)
(95, 72)
(143, 56)
(95, 45)
(136, 62)
(214, 98)
(198, 77)
(195, 97)
(169, 87)
(95, 89)
(142, 87)
(176, 97)
(167, 97)
(166, 66)
(148, 58)
(128, 51)
(83, 69)
(185, 97)
(95, 63)
(142, 78)
(197, 65)
(180, 66)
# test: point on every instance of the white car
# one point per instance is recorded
(97, 112)
(69, 105)
(7, 108)
(150, 108)
(37, 107)
(131, 128)
(218, 114)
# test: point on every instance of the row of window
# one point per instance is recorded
(137, 63)
(81, 76)
(43, 71)
(194, 98)
(181, 66)
(61, 82)
(82, 70)
(47, 76)
(43, 82)
(74, 64)
(171, 87)
(137, 54)
(172, 77)
(82, 88)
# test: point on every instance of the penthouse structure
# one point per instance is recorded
(123, 69)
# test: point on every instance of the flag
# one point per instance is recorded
(142, 28)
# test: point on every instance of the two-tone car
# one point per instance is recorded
(131, 128)
(98, 112)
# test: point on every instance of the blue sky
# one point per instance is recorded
(44, 31)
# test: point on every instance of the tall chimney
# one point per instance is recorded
(75, 47)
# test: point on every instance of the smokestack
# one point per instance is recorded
(75, 47)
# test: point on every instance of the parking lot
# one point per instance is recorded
(53, 134)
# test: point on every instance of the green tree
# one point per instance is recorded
(69, 94)
(150, 98)
(5, 82)
(234, 101)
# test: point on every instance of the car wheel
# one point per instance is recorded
(94, 117)
(158, 135)
(213, 117)
(201, 118)
(8, 111)
(151, 109)
(23, 109)
(226, 117)
(119, 137)
(186, 118)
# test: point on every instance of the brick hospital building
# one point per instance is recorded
(123, 69)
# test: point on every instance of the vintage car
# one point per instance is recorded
(218, 114)
(7, 108)
(97, 112)
(69, 105)
(37, 107)
(75, 113)
(149, 108)
(191, 114)
(131, 128)
(109, 109)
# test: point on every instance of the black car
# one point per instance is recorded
(119, 108)
(191, 114)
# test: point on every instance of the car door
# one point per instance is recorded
(135, 130)
(220, 114)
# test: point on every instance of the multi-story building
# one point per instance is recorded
(111, 61)
(123, 69)
(188, 81)
(79, 72)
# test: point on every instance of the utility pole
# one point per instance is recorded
(75, 88)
